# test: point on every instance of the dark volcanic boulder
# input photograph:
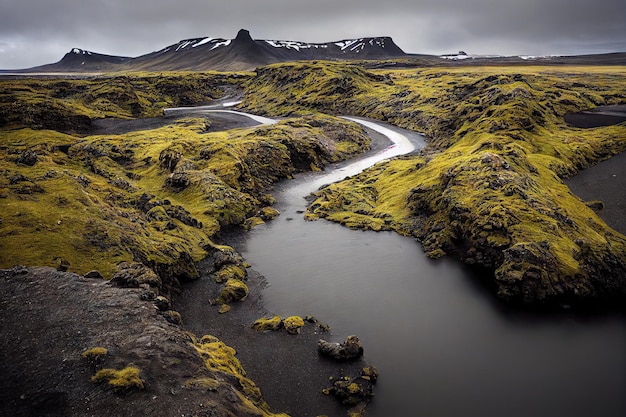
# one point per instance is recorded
(354, 391)
(350, 349)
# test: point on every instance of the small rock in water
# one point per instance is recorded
(356, 391)
(350, 349)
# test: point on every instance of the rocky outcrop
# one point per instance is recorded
(349, 349)
(354, 391)
(136, 275)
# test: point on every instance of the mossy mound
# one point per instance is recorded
(234, 290)
(298, 88)
(488, 188)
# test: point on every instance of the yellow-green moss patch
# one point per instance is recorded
(126, 378)
(268, 323)
(293, 324)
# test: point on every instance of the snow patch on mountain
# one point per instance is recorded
(347, 43)
(182, 45)
(202, 42)
(357, 45)
(290, 44)
(78, 51)
(223, 43)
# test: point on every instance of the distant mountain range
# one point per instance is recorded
(241, 53)
(245, 53)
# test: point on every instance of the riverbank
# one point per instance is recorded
(287, 367)
(602, 186)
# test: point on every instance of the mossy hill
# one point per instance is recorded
(488, 188)
(83, 202)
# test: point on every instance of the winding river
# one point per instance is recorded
(441, 342)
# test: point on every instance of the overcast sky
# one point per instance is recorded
(37, 32)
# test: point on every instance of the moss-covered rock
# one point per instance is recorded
(354, 391)
(293, 324)
(234, 290)
(349, 349)
(232, 271)
(268, 323)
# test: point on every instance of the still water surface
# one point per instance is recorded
(442, 344)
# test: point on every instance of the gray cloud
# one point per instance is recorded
(33, 32)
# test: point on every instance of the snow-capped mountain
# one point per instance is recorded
(240, 53)
(243, 52)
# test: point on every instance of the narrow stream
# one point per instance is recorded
(442, 344)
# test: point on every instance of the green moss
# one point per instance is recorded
(93, 352)
(208, 384)
(126, 378)
(489, 180)
(252, 222)
(268, 213)
(220, 358)
(268, 323)
(230, 272)
(69, 105)
(95, 356)
(234, 290)
(293, 324)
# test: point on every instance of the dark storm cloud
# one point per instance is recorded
(34, 32)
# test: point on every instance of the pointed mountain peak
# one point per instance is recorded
(243, 36)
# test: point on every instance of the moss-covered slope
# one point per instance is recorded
(488, 188)
(69, 105)
(155, 196)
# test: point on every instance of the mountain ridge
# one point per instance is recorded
(241, 53)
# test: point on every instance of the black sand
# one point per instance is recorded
(606, 182)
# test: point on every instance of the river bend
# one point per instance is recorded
(442, 344)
